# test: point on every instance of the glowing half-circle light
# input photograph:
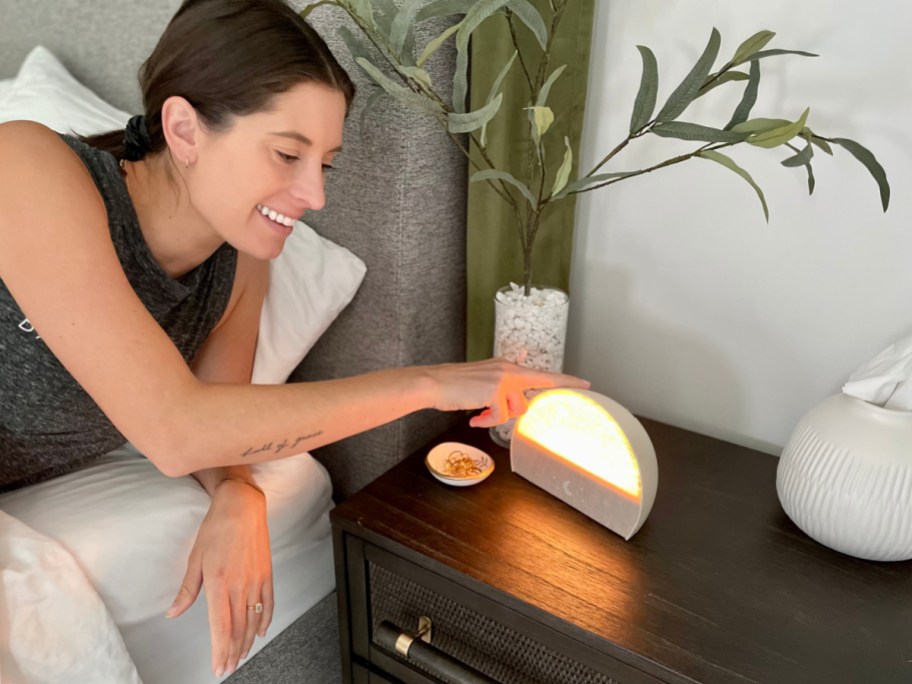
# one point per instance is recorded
(578, 429)
(591, 453)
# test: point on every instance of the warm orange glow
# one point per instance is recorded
(579, 430)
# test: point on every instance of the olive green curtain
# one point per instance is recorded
(494, 257)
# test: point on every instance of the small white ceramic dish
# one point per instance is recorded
(459, 465)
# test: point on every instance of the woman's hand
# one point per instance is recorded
(496, 385)
(231, 558)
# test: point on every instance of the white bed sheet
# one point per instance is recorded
(130, 529)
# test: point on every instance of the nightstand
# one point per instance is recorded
(717, 587)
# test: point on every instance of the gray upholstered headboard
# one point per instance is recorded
(397, 200)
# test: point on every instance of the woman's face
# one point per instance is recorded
(254, 180)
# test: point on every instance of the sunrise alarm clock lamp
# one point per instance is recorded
(591, 453)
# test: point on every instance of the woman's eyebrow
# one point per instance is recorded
(303, 139)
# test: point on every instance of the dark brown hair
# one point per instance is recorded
(228, 58)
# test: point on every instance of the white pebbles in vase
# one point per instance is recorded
(531, 331)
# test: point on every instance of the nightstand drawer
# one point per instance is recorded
(483, 635)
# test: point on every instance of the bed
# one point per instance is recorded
(92, 522)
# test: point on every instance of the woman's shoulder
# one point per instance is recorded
(37, 160)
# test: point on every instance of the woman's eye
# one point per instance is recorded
(328, 167)
(287, 158)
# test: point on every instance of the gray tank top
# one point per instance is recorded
(48, 424)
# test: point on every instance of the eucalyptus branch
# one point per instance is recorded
(656, 167)
(612, 154)
(546, 57)
(526, 195)
(716, 76)
(519, 54)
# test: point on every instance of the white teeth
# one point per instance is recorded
(286, 221)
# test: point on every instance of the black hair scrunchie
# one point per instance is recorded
(136, 138)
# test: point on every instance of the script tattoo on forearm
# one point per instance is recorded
(284, 445)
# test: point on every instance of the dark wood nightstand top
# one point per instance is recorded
(718, 586)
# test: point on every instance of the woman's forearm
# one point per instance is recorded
(224, 425)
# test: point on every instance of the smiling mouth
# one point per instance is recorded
(272, 214)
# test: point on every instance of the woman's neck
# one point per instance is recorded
(178, 237)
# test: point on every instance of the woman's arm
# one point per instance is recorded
(57, 260)
(231, 559)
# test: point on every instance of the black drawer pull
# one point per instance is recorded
(431, 658)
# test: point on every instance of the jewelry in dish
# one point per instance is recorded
(458, 464)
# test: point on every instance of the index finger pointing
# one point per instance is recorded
(547, 380)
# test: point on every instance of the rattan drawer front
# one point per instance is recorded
(473, 638)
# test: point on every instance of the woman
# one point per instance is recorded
(139, 261)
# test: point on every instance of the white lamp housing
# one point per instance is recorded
(591, 453)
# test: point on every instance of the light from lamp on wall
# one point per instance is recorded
(591, 453)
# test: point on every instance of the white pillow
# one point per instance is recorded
(5, 85)
(309, 283)
(46, 92)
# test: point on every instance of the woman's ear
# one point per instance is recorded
(181, 128)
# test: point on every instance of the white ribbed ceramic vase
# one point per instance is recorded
(845, 478)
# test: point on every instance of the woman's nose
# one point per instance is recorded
(307, 188)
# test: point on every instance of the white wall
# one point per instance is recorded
(686, 306)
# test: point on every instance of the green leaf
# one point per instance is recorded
(490, 174)
(586, 181)
(473, 19)
(494, 88)
(867, 158)
(751, 46)
(542, 118)
(748, 99)
(689, 88)
(645, 102)
(471, 121)
(384, 12)
(402, 24)
(363, 10)
(727, 77)
(369, 105)
(500, 77)
(729, 163)
(760, 125)
(478, 12)
(563, 173)
(781, 135)
(691, 131)
(800, 159)
(546, 88)
(417, 74)
(304, 13)
(527, 14)
(400, 92)
(817, 140)
(461, 79)
(437, 43)
(444, 8)
(811, 180)
(774, 53)
(355, 47)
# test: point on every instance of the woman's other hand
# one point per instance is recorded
(495, 385)
(231, 559)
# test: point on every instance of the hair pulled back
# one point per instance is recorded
(227, 58)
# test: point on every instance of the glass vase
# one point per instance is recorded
(530, 331)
